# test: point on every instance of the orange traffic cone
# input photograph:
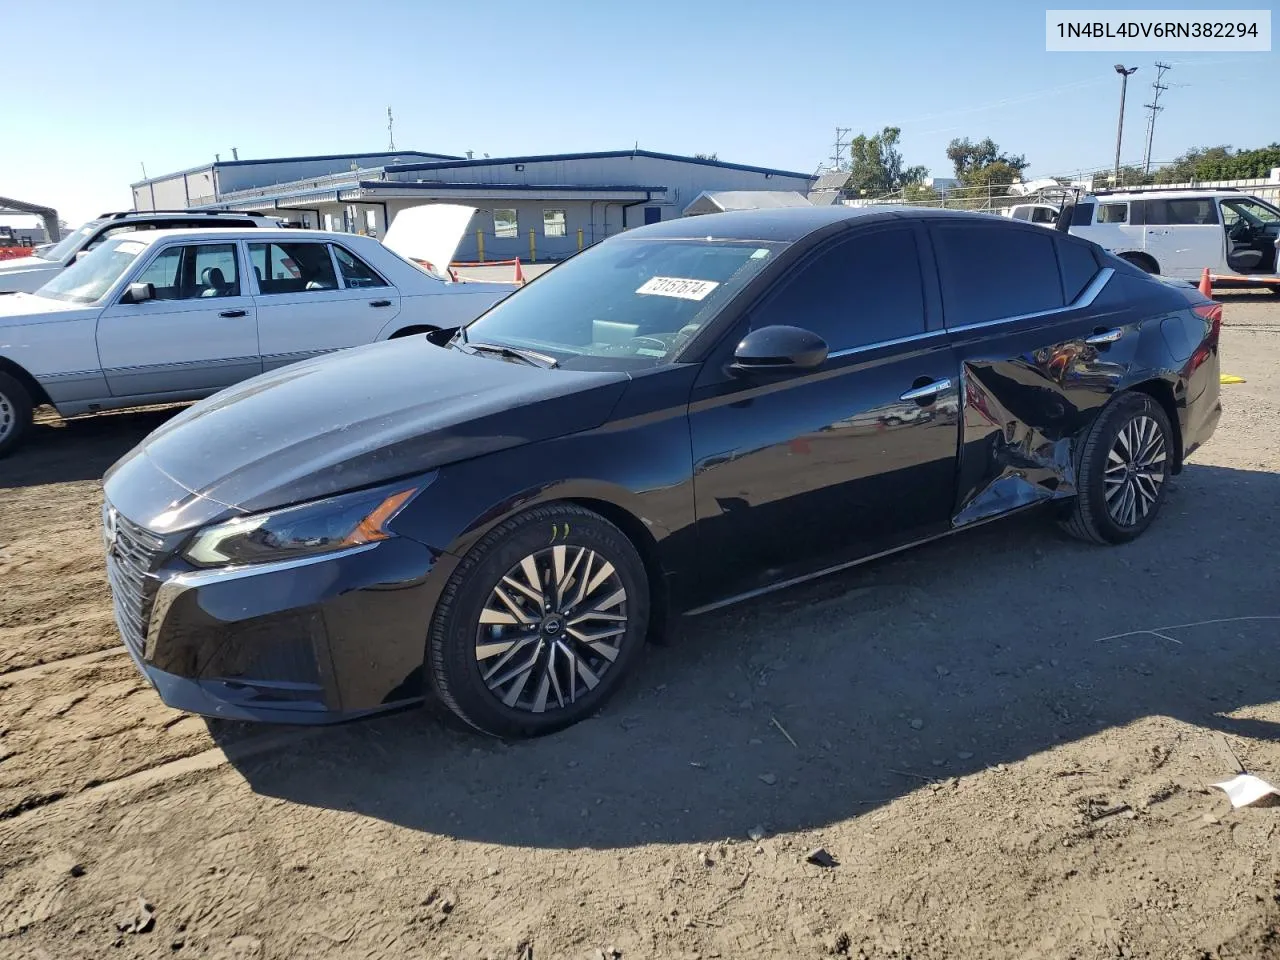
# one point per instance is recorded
(519, 272)
(1206, 285)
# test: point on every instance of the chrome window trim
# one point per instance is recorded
(1086, 298)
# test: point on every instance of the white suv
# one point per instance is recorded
(25, 274)
(1179, 233)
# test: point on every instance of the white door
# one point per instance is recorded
(1113, 229)
(1184, 236)
(197, 335)
(315, 298)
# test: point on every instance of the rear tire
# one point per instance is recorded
(15, 413)
(540, 623)
(1124, 468)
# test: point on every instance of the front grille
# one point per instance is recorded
(132, 554)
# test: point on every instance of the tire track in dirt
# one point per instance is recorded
(68, 728)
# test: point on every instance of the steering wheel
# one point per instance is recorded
(1240, 230)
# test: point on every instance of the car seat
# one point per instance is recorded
(215, 284)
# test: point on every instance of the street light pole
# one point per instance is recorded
(1124, 83)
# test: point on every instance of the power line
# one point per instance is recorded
(1154, 108)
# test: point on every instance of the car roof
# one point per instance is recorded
(1189, 194)
(788, 224)
(254, 233)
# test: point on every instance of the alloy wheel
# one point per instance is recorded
(551, 628)
(8, 417)
(1135, 470)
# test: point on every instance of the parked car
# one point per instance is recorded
(681, 416)
(27, 274)
(1044, 214)
(175, 315)
(1179, 233)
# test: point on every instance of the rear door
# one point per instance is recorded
(314, 297)
(1039, 353)
(199, 334)
(801, 473)
(1184, 235)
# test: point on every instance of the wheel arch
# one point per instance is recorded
(1140, 257)
(610, 501)
(1161, 391)
(38, 394)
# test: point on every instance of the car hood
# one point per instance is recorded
(22, 264)
(430, 232)
(24, 306)
(345, 421)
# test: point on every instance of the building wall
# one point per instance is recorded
(176, 192)
(247, 174)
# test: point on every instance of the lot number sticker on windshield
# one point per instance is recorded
(680, 287)
(130, 246)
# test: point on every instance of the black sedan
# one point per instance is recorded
(682, 416)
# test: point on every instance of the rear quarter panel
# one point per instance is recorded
(1032, 389)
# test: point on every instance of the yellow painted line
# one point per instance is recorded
(1228, 378)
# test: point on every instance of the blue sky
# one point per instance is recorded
(172, 83)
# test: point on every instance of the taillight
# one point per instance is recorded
(1213, 313)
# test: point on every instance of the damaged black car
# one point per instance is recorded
(497, 518)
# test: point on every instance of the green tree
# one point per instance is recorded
(876, 164)
(981, 164)
(1220, 163)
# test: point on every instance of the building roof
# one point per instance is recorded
(604, 155)
(200, 168)
(722, 201)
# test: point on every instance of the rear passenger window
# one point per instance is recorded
(863, 290)
(1181, 212)
(1078, 267)
(292, 267)
(355, 272)
(1113, 213)
(993, 272)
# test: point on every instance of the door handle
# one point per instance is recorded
(928, 391)
(379, 303)
(233, 313)
(1103, 337)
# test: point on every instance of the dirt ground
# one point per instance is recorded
(1005, 740)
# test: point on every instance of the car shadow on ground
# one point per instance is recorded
(63, 451)
(820, 703)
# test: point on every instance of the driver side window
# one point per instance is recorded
(862, 290)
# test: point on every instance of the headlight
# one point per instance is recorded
(323, 526)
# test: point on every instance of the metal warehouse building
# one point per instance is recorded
(535, 207)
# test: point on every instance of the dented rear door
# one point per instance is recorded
(1040, 350)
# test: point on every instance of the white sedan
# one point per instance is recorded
(176, 315)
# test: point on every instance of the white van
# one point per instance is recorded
(1178, 233)
(1043, 214)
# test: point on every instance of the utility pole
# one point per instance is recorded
(1124, 83)
(839, 160)
(391, 133)
(1153, 108)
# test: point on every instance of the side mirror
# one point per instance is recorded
(778, 349)
(139, 292)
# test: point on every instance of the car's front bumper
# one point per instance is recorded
(314, 640)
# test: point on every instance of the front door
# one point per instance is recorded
(197, 335)
(797, 474)
(315, 298)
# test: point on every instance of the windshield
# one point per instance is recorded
(625, 304)
(90, 277)
(64, 248)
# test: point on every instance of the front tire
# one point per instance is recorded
(540, 623)
(1123, 471)
(15, 413)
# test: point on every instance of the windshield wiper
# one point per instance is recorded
(531, 357)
